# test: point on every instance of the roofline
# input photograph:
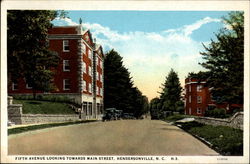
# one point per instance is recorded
(65, 26)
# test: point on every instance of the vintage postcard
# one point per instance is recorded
(124, 81)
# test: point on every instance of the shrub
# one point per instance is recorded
(217, 113)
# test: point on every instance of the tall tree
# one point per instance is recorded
(224, 60)
(28, 54)
(155, 108)
(118, 86)
(171, 94)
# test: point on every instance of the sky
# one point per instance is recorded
(152, 42)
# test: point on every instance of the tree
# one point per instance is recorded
(171, 94)
(224, 60)
(155, 108)
(28, 54)
(119, 90)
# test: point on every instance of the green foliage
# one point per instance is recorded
(119, 90)
(217, 113)
(51, 98)
(44, 107)
(28, 54)
(170, 98)
(43, 126)
(226, 140)
(224, 60)
(154, 108)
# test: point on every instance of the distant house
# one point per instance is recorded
(79, 74)
(198, 98)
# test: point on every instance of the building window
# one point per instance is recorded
(84, 67)
(190, 111)
(190, 88)
(97, 89)
(66, 67)
(90, 70)
(90, 109)
(84, 85)
(198, 110)
(97, 76)
(90, 88)
(90, 54)
(189, 99)
(101, 91)
(84, 48)
(98, 108)
(28, 86)
(199, 87)
(85, 108)
(199, 99)
(66, 84)
(65, 46)
(14, 86)
(100, 77)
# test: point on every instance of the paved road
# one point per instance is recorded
(125, 137)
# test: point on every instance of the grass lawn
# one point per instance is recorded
(225, 140)
(43, 126)
(44, 107)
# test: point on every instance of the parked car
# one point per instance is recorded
(118, 114)
(109, 114)
(128, 116)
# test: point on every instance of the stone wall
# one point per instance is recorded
(16, 116)
(236, 121)
(47, 118)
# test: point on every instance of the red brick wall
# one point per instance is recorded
(65, 30)
(194, 94)
(57, 45)
(86, 76)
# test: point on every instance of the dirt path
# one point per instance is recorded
(126, 137)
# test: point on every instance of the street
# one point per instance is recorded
(123, 137)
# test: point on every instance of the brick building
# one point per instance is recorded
(198, 99)
(79, 74)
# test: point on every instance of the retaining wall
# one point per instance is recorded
(16, 116)
(236, 121)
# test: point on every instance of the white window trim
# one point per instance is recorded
(65, 45)
(84, 48)
(97, 90)
(65, 70)
(101, 92)
(65, 89)
(84, 85)
(97, 76)
(13, 86)
(90, 88)
(90, 71)
(90, 53)
(84, 67)
(198, 110)
(199, 99)
(199, 88)
(28, 87)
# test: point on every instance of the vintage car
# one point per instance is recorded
(109, 114)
